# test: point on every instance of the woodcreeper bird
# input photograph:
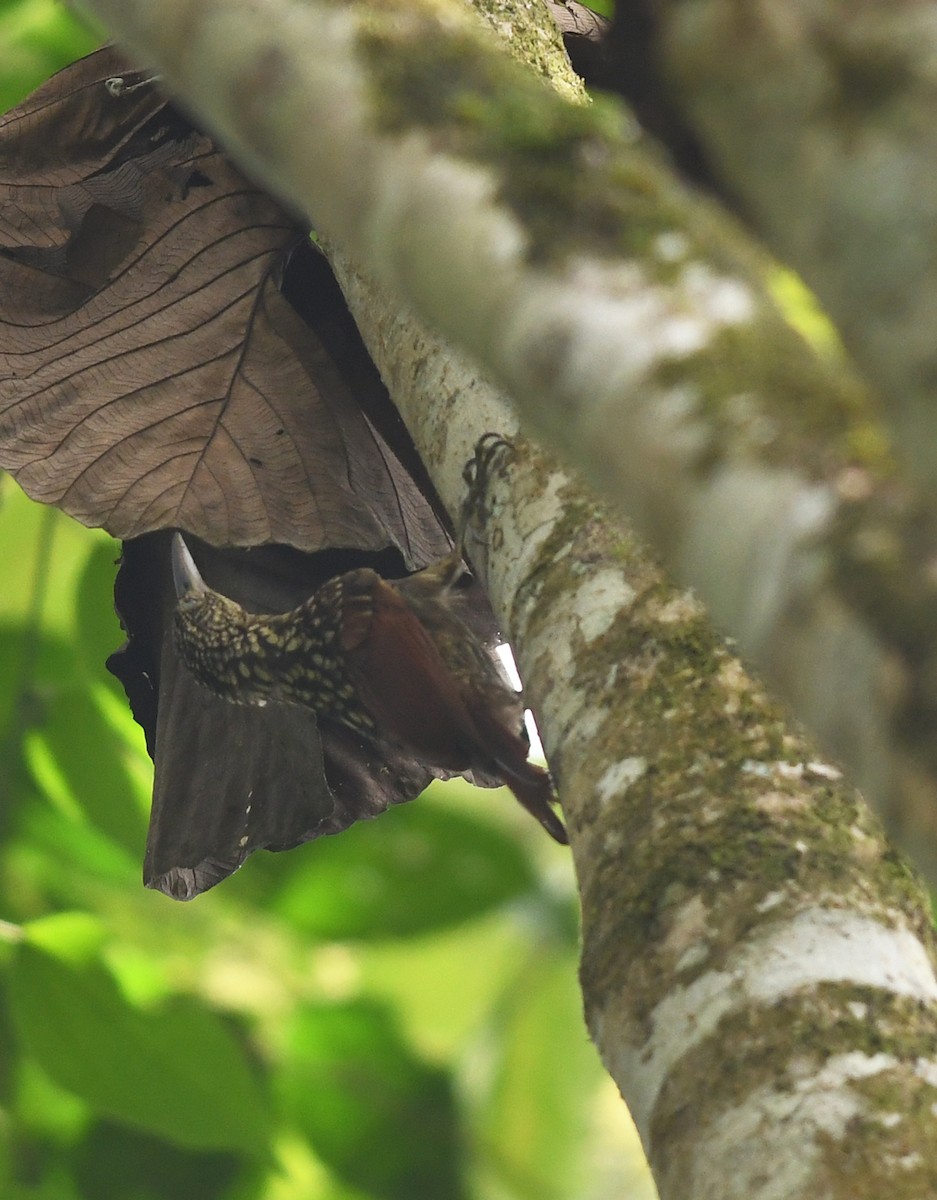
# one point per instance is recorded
(388, 659)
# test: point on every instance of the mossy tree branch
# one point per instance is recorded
(628, 319)
(753, 951)
(819, 116)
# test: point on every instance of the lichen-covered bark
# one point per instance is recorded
(749, 939)
(819, 115)
(629, 320)
(533, 41)
(757, 962)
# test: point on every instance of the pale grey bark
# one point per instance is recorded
(819, 114)
(757, 963)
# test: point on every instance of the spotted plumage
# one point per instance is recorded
(250, 658)
(387, 660)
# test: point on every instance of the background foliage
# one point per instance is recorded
(388, 1014)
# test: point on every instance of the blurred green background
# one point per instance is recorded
(392, 1013)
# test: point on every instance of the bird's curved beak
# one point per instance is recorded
(185, 573)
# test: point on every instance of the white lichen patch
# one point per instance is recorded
(733, 679)
(688, 928)
(843, 1068)
(588, 725)
(774, 1125)
(814, 947)
(678, 406)
(599, 601)
(581, 614)
(725, 299)
(778, 803)
(556, 663)
(601, 328)
(613, 841)
(767, 903)
(407, 241)
(824, 771)
(786, 770)
(866, 849)
(789, 772)
(615, 780)
(926, 1069)
(672, 246)
(680, 609)
(770, 1125)
(693, 957)
(525, 530)
(832, 945)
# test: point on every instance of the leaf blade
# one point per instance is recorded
(175, 1072)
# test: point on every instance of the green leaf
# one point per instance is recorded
(87, 756)
(44, 1113)
(176, 1072)
(534, 1110)
(99, 631)
(58, 848)
(380, 1117)
(45, 553)
(49, 1189)
(38, 37)
(544, 1073)
(444, 985)
(414, 869)
(76, 937)
(117, 1163)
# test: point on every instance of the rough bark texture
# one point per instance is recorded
(748, 936)
(757, 964)
(629, 320)
(819, 114)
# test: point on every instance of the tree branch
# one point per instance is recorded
(630, 322)
(753, 953)
(837, 101)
